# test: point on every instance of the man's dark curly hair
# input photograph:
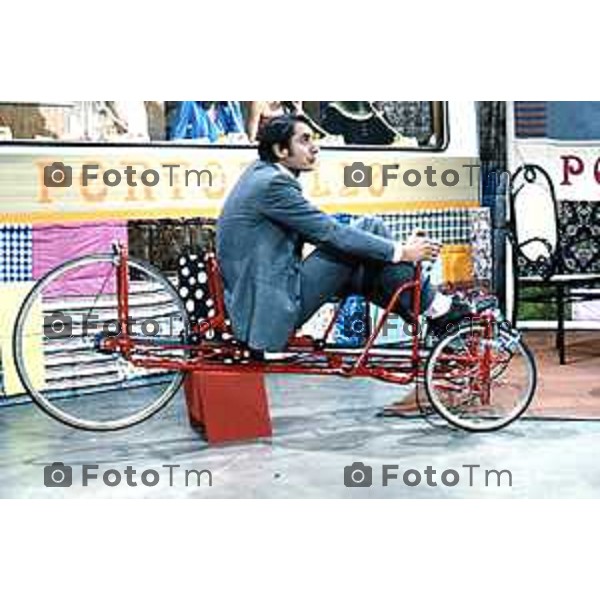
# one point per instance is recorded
(278, 130)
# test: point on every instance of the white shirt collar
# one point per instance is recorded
(285, 170)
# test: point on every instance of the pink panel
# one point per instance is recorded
(55, 244)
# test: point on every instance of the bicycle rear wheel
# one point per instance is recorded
(58, 337)
(481, 379)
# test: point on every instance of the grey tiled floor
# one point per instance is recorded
(322, 424)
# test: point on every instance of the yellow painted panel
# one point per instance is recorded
(370, 207)
(11, 298)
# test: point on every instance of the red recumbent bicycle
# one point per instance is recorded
(103, 342)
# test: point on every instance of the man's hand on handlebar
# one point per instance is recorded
(417, 248)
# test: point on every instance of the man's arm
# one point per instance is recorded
(284, 203)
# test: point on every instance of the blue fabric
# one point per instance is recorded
(573, 121)
(350, 329)
(351, 325)
(185, 121)
(191, 121)
(229, 117)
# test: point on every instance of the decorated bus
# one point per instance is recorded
(76, 177)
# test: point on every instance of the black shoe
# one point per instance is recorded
(483, 302)
(449, 322)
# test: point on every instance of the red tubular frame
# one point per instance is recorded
(125, 341)
(310, 357)
(485, 367)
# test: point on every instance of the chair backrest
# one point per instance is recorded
(533, 215)
(216, 290)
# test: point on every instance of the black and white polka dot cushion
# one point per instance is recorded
(194, 290)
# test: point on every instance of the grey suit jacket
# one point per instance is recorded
(260, 232)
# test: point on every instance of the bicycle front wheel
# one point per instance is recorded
(480, 378)
(58, 349)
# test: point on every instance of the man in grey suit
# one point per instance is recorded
(270, 290)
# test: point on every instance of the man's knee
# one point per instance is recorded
(374, 225)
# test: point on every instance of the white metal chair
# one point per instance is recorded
(538, 262)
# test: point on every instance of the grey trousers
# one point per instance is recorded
(326, 275)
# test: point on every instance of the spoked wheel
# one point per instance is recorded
(58, 343)
(481, 377)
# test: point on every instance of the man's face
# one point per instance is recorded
(302, 153)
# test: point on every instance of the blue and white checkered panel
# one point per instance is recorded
(16, 253)
(450, 226)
